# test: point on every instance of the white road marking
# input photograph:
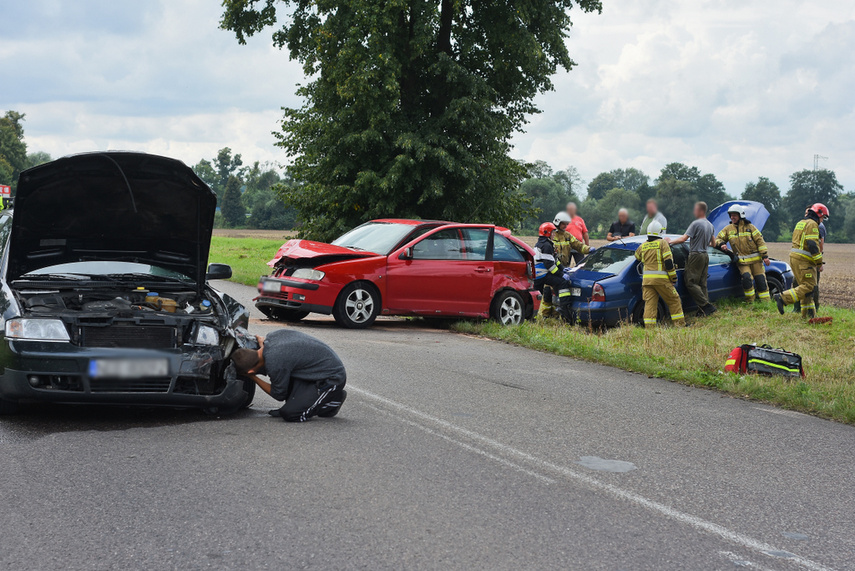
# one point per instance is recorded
(783, 412)
(741, 562)
(693, 521)
(469, 447)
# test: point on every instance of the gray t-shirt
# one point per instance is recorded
(658, 217)
(290, 354)
(700, 232)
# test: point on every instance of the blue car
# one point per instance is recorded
(606, 286)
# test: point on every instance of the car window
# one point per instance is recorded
(443, 245)
(678, 251)
(718, 257)
(505, 251)
(377, 237)
(475, 242)
(608, 260)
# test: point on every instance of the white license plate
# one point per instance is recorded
(270, 287)
(576, 292)
(128, 368)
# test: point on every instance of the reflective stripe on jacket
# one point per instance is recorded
(806, 241)
(564, 243)
(745, 240)
(544, 258)
(657, 260)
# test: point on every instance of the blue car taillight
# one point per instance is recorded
(598, 293)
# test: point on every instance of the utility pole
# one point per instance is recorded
(816, 159)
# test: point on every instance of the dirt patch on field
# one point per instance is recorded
(262, 234)
(837, 283)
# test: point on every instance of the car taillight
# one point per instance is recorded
(598, 293)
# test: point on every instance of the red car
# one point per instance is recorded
(403, 267)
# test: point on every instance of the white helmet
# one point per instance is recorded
(655, 229)
(738, 209)
(560, 218)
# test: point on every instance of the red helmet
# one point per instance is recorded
(820, 210)
(547, 229)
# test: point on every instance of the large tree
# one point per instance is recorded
(233, 211)
(766, 192)
(602, 183)
(809, 187)
(13, 150)
(411, 104)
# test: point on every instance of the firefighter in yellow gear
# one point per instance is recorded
(805, 259)
(562, 242)
(660, 275)
(747, 244)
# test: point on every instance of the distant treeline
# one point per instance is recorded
(676, 189)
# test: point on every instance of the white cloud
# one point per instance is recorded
(740, 89)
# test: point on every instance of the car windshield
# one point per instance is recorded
(377, 237)
(104, 268)
(608, 260)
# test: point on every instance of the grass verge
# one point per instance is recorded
(695, 355)
(248, 257)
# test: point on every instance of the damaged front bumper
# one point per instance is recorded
(61, 372)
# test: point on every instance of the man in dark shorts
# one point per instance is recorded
(304, 372)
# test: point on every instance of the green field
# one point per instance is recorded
(696, 355)
(248, 257)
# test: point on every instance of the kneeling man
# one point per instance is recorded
(303, 372)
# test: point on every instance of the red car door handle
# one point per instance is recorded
(482, 270)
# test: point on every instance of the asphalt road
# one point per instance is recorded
(451, 452)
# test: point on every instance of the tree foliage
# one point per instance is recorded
(676, 201)
(411, 104)
(13, 150)
(766, 192)
(233, 211)
(809, 187)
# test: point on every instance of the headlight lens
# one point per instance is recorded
(207, 335)
(36, 329)
(308, 274)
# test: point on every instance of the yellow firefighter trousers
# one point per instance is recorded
(547, 307)
(651, 293)
(758, 274)
(805, 274)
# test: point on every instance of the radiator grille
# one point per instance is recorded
(129, 386)
(129, 336)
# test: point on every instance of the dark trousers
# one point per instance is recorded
(311, 398)
(697, 271)
(576, 258)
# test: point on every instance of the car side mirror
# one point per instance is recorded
(219, 272)
(407, 254)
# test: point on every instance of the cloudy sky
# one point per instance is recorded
(739, 88)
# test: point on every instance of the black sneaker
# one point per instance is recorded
(700, 313)
(275, 412)
(780, 303)
(709, 309)
(335, 402)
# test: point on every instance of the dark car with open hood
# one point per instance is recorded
(104, 290)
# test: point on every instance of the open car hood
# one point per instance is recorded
(309, 250)
(112, 206)
(756, 213)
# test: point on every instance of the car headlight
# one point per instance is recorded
(308, 274)
(207, 335)
(36, 329)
